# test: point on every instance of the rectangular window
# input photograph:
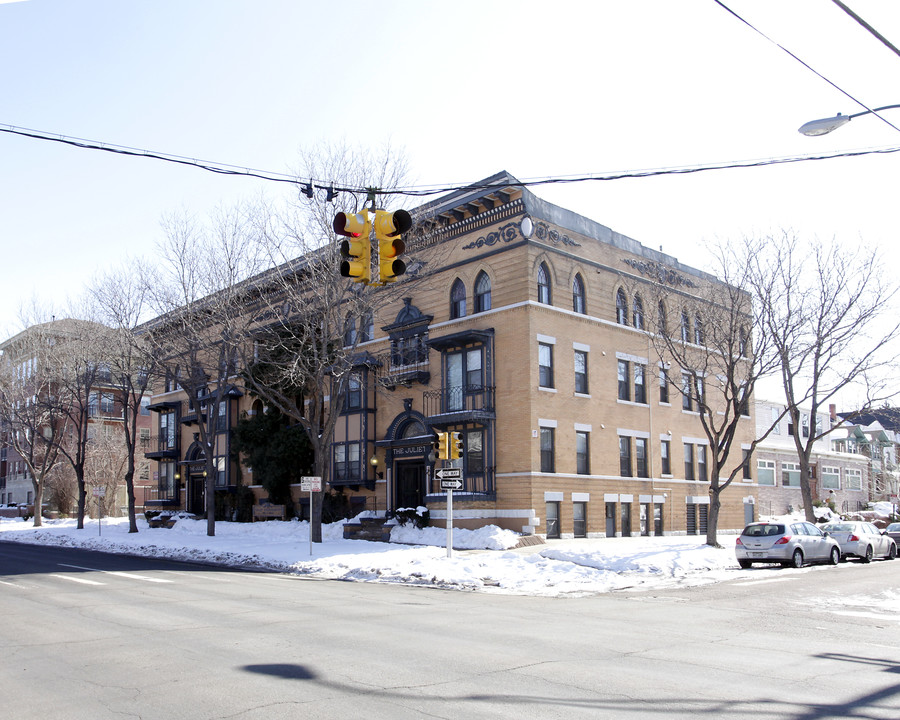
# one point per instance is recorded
(548, 459)
(579, 519)
(93, 404)
(222, 417)
(831, 477)
(552, 510)
(663, 385)
(624, 386)
(687, 392)
(854, 479)
(765, 472)
(640, 457)
(790, 474)
(664, 448)
(354, 392)
(474, 451)
(745, 467)
(545, 365)
(689, 461)
(804, 423)
(640, 391)
(145, 406)
(107, 403)
(776, 430)
(701, 463)
(581, 372)
(582, 453)
(624, 456)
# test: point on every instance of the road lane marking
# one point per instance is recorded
(84, 581)
(119, 573)
(763, 582)
(16, 585)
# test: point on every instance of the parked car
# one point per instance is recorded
(791, 544)
(893, 531)
(862, 540)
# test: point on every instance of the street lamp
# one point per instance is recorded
(826, 125)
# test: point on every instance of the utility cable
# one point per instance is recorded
(805, 64)
(309, 186)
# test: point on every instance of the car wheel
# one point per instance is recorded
(796, 559)
(744, 563)
(867, 557)
(892, 552)
(835, 557)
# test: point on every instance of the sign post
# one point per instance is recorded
(311, 484)
(99, 492)
(451, 479)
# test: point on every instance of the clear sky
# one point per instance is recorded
(468, 88)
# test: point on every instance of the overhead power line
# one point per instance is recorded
(310, 185)
(805, 64)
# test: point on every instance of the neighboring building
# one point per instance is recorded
(875, 434)
(105, 421)
(530, 340)
(838, 473)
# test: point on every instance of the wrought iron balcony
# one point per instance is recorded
(161, 446)
(459, 404)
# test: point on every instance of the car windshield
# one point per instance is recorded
(839, 527)
(894, 527)
(760, 530)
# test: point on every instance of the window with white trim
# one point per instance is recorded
(831, 477)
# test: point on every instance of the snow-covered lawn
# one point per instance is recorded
(481, 559)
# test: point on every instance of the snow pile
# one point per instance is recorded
(419, 557)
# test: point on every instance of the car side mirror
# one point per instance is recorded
(826, 533)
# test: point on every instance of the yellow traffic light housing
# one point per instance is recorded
(456, 446)
(389, 226)
(442, 446)
(357, 251)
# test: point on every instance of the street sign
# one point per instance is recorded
(451, 484)
(448, 474)
(99, 492)
(310, 483)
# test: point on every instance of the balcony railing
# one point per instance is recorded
(160, 446)
(474, 401)
(155, 495)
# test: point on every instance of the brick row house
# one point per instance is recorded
(529, 338)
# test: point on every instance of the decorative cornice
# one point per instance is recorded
(659, 272)
(523, 228)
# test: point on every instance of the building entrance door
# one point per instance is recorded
(410, 484)
(196, 494)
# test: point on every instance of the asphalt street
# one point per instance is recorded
(91, 635)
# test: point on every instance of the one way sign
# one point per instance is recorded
(450, 478)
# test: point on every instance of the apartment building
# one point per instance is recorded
(530, 337)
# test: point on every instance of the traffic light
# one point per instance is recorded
(389, 226)
(357, 251)
(456, 446)
(442, 446)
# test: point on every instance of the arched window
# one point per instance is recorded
(482, 292)
(367, 327)
(685, 326)
(621, 307)
(457, 299)
(662, 322)
(543, 281)
(637, 314)
(698, 329)
(578, 300)
(349, 330)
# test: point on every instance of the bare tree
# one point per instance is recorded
(122, 299)
(202, 298)
(311, 319)
(828, 311)
(705, 333)
(30, 412)
(79, 372)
